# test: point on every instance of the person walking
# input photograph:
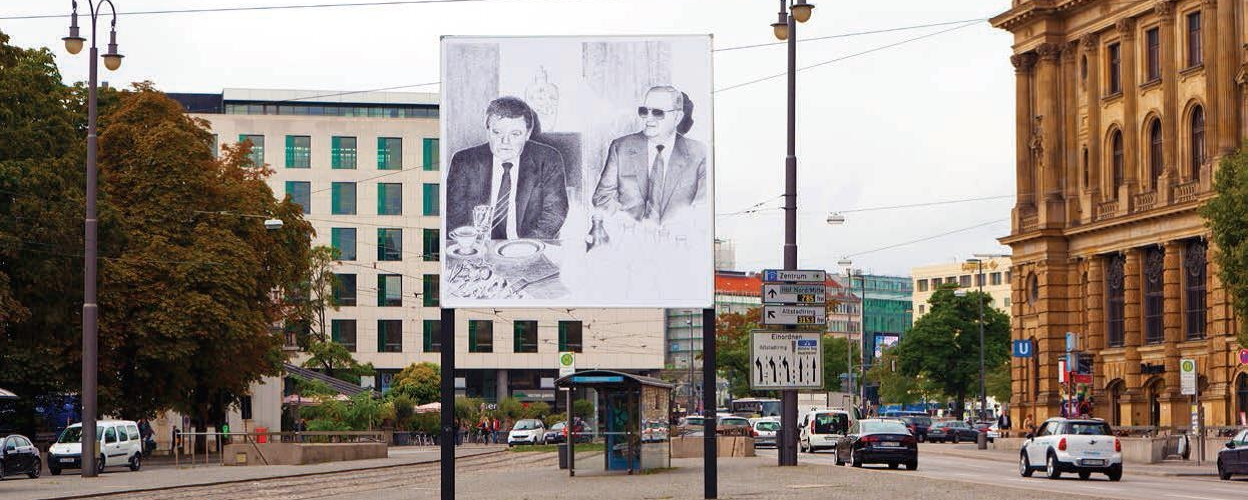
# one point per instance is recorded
(496, 427)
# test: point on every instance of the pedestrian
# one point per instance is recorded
(459, 432)
(1003, 424)
(1029, 425)
(483, 428)
(496, 427)
(176, 441)
(146, 437)
(301, 426)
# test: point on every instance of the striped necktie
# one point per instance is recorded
(654, 185)
(502, 205)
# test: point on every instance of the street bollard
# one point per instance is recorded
(981, 441)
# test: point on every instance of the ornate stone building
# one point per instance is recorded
(1123, 110)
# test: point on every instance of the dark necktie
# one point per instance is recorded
(654, 185)
(502, 204)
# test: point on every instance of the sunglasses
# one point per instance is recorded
(658, 114)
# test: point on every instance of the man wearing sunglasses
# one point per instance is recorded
(521, 179)
(655, 174)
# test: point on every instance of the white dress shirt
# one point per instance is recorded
(496, 183)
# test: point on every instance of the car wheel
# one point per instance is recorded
(1, 471)
(34, 473)
(136, 463)
(1050, 467)
(956, 439)
(801, 446)
(1115, 473)
(912, 465)
(1085, 475)
(854, 459)
(1222, 473)
(1024, 465)
(893, 465)
(100, 464)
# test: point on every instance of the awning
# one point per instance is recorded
(429, 408)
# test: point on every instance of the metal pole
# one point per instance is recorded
(571, 428)
(849, 352)
(710, 453)
(788, 402)
(692, 396)
(90, 308)
(862, 340)
(447, 348)
(983, 395)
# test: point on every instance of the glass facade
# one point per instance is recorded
(390, 244)
(432, 287)
(342, 198)
(570, 336)
(480, 336)
(323, 109)
(389, 290)
(389, 335)
(298, 151)
(342, 331)
(430, 198)
(342, 152)
(343, 240)
(345, 290)
(431, 240)
(389, 153)
(389, 198)
(432, 336)
(432, 155)
(525, 336)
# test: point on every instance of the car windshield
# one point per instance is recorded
(884, 427)
(526, 425)
(694, 421)
(74, 435)
(767, 426)
(1088, 428)
(558, 426)
(734, 421)
(831, 423)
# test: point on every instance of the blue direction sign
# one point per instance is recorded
(799, 276)
(1022, 348)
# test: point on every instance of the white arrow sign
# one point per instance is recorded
(786, 360)
(794, 294)
(794, 315)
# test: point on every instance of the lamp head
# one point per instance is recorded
(112, 60)
(781, 26)
(836, 219)
(801, 11)
(845, 262)
(73, 42)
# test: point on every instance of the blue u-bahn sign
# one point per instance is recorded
(1022, 348)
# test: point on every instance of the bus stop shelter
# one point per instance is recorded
(633, 413)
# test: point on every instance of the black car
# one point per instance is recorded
(1233, 459)
(918, 426)
(952, 430)
(19, 456)
(878, 441)
(557, 433)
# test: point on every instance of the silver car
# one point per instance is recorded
(765, 430)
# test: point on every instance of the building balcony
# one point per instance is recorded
(1186, 192)
(1106, 209)
(1145, 201)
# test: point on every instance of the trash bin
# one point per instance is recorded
(981, 441)
(563, 455)
(262, 434)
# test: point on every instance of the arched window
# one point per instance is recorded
(1116, 389)
(1198, 141)
(1115, 142)
(1154, 150)
(1155, 389)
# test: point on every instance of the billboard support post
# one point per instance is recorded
(447, 445)
(710, 453)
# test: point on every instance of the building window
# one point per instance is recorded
(389, 244)
(342, 198)
(1086, 178)
(1194, 55)
(298, 151)
(1194, 283)
(343, 240)
(432, 336)
(480, 336)
(389, 290)
(1154, 295)
(979, 279)
(432, 244)
(964, 280)
(922, 285)
(1155, 151)
(342, 152)
(1083, 71)
(342, 331)
(525, 336)
(920, 308)
(432, 155)
(1115, 68)
(389, 198)
(1198, 141)
(994, 279)
(389, 335)
(300, 193)
(570, 336)
(1033, 289)
(1114, 304)
(389, 153)
(1115, 141)
(1152, 42)
(935, 283)
(432, 288)
(430, 199)
(257, 148)
(344, 289)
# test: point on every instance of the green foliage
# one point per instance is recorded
(420, 382)
(335, 360)
(896, 388)
(361, 412)
(311, 387)
(998, 382)
(732, 349)
(943, 346)
(428, 423)
(404, 411)
(583, 408)
(1227, 217)
(468, 409)
(834, 363)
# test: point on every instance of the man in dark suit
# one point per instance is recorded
(657, 173)
(522, 180)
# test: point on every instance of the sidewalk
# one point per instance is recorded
(1186, 468)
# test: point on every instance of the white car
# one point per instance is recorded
(527, 431)
(765, 430)
(1081, 446)
(119, 442)
(822, 429)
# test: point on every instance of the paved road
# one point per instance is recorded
(996, 472)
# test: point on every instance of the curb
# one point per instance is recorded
(1128, 470)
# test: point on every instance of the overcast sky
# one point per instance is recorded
(925, 121)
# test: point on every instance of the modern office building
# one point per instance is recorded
(365, 167)
(1123, 112)
(884, 312)
(995, 281)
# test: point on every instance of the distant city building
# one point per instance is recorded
(725, 254)
(995, 281)
(885, 311)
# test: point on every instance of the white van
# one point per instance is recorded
(119, 442)
(821, 429)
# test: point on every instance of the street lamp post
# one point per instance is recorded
(692, 386)
(90, 309)
(979, 303)
(849, 357)
(785, 28)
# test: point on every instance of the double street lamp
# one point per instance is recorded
(90, 309)
(978, 261)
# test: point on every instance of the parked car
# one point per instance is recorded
(119, 441)
(1082, 446)
(951, 431)
(732, 425)
(878, 441)
(821, 429)
(558, 433)
(994, 432)
(918, 425)
(527, 431)
(765, 430)
(1233, 459)
(19, 456)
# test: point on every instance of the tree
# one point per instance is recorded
(998, 382)
(943, 346)
(732, 348)
(835, 363)
(421, 382)
(1227, 217)
(896, 388)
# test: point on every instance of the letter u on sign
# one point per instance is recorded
(1022, 348)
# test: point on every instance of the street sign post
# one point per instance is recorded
(811, 294)
(799, 276)
(794, 316)
(786, 360)
(1187, 377)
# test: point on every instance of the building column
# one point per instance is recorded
(1226, 57)
(1171, 120)
(1130, 122)
(1070, 127)
(1132, 310)
(1094, 303)
(1092, 93)
(1023, 65)
(1213, 97)
(501, 385)
(1048, 99)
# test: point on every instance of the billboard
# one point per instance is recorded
(884, 341)
(577, 172)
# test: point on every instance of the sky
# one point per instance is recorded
(923, 121)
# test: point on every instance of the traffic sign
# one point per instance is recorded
(1022, 348)
(794, 294)
(1072, 342)
(786, 360)
(1187, 377)
(794, 315)
(790, 276)
(1243, 356)
(567, 363)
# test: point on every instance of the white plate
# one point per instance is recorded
(519, 249)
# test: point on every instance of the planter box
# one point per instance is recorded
(726, 446)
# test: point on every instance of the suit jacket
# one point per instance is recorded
(624, 178)
(541, 192)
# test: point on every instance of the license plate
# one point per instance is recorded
(1093, 462)
(67, 460)
(890, 444)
